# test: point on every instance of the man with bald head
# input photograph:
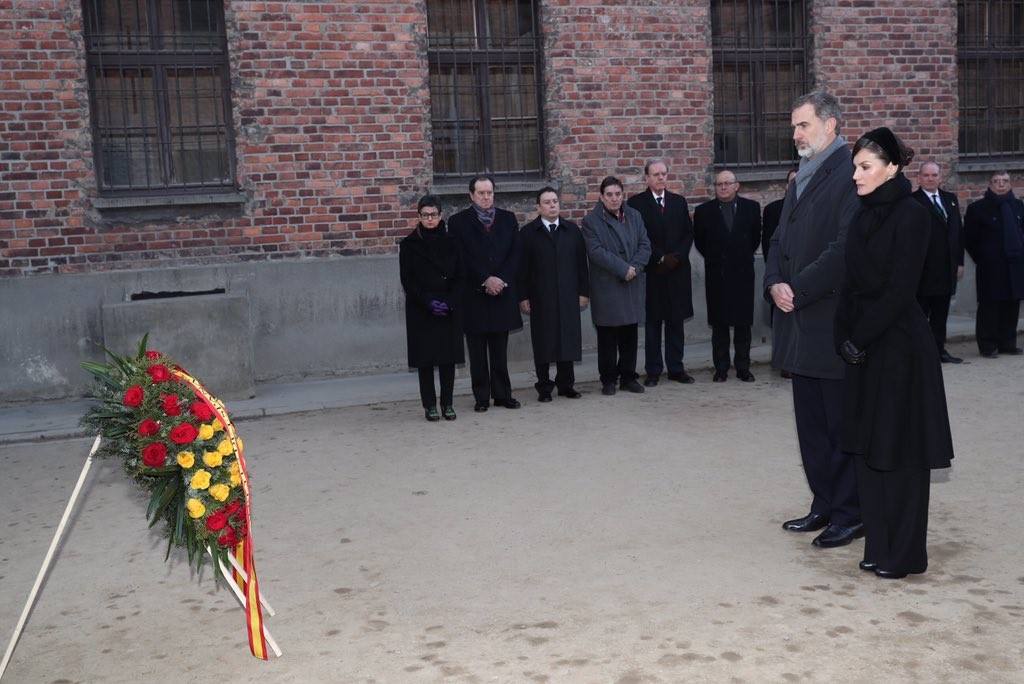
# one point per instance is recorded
(727, 232)
(944, 263)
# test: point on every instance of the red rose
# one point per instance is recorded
(217, 521)
(159, 373)
(154, 455)
(183, 433)
(152, 355)
(133, 396)
(233, 506)
(228, 538)
(239, 514)
(149, 427)
(201, 411)
(170, 403)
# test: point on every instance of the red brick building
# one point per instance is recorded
(195, 146)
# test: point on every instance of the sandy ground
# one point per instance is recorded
(617, 539)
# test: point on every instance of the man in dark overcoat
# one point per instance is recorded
(994, 237)
(727, 232)
(944, 264)
(770, 219)
(802, 278)
(489, 243)
(669, 298)
(554, 286)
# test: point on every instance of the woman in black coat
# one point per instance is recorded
(895, 420)
(430, 269)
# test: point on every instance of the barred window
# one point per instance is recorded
(759, 64)
(484, 60)
(990, 57)
(159, 95)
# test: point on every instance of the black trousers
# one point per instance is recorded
(894, 506)
(488, 366)
(996, 325)
(936, 310)
(565, 377)
(616, 352)
(673, 347)
(720, 347)
(446, 374)
(818, 405)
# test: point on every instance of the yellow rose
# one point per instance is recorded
(220, 491)
(212, 459)
(205, 431)
(234, 474)
(195, 507)
(201, 480)
(186, 459)
(225, 447)
(217, 425)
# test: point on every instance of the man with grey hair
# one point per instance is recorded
(803, 274)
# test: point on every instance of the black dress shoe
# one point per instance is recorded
(809, 523)
(786, 374)
(608, 389)
(651, 381)
(946, 357)
(990, 354)
(745, 376)
(837, 535)
(449, 413)
(510, 403)
(681, 376)
(570, 394)
(632, 386)
(895, 574)
(868, 566)
(544, 397)
(431, 414)
(719, 377)
(481, 407)
(1012, 351)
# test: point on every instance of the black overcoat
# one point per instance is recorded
(430, 269)
(486, 253)
(945, 245)
(769, 224)
(728, 259)
(807, 253)
(894, 409)
(553, 275)
(999, 278)
(669, 293)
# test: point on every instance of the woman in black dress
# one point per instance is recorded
(895, 419)
(428, 260)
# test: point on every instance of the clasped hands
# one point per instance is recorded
(782, 295)
(494, 286)
(851, 354)
(630, 273)
(439, 307)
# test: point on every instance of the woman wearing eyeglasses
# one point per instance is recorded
(430, 269)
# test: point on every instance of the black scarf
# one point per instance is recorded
(1013, 243)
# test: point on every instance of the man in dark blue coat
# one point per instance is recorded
(944, 264)
(489, 242)
(803, 275)
(994, 237)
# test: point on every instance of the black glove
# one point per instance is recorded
(851, 355)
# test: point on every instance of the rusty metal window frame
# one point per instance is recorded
(761, 53)
(149, 43)
(469, 107)
(990, 80)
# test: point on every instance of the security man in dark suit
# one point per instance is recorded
(944, 264)
(770, 219)
(669, 299)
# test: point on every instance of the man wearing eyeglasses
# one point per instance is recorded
(727, 232)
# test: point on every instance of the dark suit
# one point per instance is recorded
(769, 223)
(729, 274)
(669, 294)
(488, 319)
(945, 255)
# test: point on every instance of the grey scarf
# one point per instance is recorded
(808, 166)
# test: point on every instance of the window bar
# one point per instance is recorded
(538, 86)
(484, 39)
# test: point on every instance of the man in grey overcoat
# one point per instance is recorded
(618, 249)
(803, 274)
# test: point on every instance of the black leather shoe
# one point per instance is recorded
(570, 394)
(946, 357)
(868, 566)
(632, 386)
(449, 413)
(544, 398)
(682, 377)
(990, 354)
(480, 407)
(837, 535)
(608, 389)
(719, 377)
(651, 381)
(1012, 351)
(895, 574)
(510, 403)
(745, 376)
(809, 523)
(431, 414)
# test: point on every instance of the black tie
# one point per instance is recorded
(938, 205)
(551, 227)
(661, 203)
